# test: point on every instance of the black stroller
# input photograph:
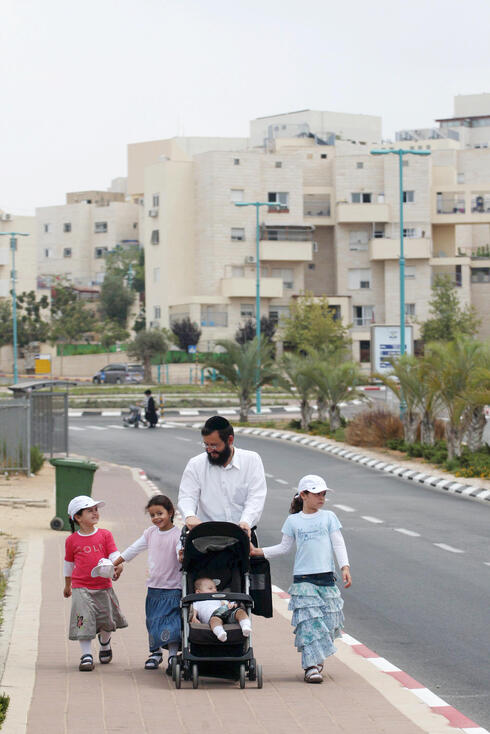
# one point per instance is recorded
(218, 550)
(134, 418)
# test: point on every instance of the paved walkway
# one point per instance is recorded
(355, 698)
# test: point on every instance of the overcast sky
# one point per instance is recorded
(80, 80)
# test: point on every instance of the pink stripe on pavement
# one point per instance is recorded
(455, 717)
(406, 680)
(364, 651)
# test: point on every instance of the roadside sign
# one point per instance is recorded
(42, 364)
(385, 343)
(192, 349)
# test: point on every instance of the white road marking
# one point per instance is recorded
(181, 438)
(98, 428)
(374, 520)
(109, 413)
(113, 425)
(75, 428)
(281, 481)
(345, 508)
(411, 533)
(449, 548)
(269, 476)
(384, 665)
(486, 563)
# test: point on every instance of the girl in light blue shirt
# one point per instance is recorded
(315, 599)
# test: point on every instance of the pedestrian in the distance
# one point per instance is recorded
(315, 599)
(162, 540)
(151, 414)
(88, 569)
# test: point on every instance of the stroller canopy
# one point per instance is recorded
(215, 549)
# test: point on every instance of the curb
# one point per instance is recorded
(436, 704)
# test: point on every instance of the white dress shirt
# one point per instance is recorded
(233, 493)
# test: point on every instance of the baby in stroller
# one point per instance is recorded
(208, 612)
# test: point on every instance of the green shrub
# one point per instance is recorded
(37, 459)
(4, 704)
(397, 444)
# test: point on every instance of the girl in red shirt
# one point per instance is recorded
(95, 609)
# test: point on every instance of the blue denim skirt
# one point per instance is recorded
(163, 617)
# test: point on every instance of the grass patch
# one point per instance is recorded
(469, 464)
(4, 704)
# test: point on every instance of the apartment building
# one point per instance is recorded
(73, 238)
(25, 254)
(337, 233)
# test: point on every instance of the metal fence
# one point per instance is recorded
(15, 446)
(49, 421)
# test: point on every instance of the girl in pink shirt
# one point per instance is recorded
(162, 540)
(95, 609)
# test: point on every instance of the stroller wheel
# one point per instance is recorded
(252, 674)
(260, 681)
(242, 676)
(195, 676)
(177, 675)
(174, 663)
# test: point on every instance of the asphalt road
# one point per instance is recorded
(420, 559)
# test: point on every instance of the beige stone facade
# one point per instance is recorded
(25, 254)
(338, 233)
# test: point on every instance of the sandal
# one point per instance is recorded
(313, 675)
(153, 661)
(105, 656)
(86, 663)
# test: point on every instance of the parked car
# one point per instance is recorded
(118, 374)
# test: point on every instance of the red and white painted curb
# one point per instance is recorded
(436, 704)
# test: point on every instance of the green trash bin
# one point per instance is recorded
(73, 477)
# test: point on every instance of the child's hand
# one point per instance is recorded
(181, 555)
(67, 591)
(256, 551)
(117, 572)
(346, 577)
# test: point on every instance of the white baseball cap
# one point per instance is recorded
(82, 502)
(313, 483)
(104, 568)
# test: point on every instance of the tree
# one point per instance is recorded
(115, 299)
(238, 364)
(31, 326)
(460, 377)
(123, 261)
(312, 325)
(300, 383)
(146, 345)
(71, 320)
(448, 317)
(5, 323)
(247, 331)
(334, 381)
(111, 333)
(187, 333)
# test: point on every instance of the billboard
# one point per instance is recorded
(385, 343)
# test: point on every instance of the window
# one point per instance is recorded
(155, 200)
(156, 275)
(67, 252)
(135, 225)
(458, 276)
(278, 197)
(410, 271)
(278, 164)
(236, 161)
(237, 271)
(358, 197)
(67, 227)
(311, 266)
(323, 155)
(409, 232)
(214, 315)
(157, 312)
(155, 237)
(236, 195)
(286, 274)
(359, 278)
(315, 246)
(405, 164)
(47, 227)
(237, 234)
(480, 275)
(364, 351)
(410, 309)
(48, 252)
(247, 310)
(358, 240)
(359, 164)
(277, 314)
(363, 315)
(100, 252)
(378, 231)
(408, 197)
(100, 227)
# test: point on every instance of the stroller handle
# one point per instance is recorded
(219, 596)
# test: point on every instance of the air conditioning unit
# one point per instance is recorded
(250, 260)
(6, 217)
(153, 212)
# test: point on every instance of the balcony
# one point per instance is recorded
(461, 206)
(415, 248)
(316, 207)
(291, 251)
(245, 287)
(347, 213)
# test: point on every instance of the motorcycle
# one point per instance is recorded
(134, 418)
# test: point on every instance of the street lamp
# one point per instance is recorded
(400, 152)
(257, 205)
(13, 247)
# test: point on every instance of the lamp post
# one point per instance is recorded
(257, 205)
(400, 152)
(13, 247)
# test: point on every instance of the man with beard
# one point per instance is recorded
(224, 484)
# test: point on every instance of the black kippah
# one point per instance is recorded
(216, 423)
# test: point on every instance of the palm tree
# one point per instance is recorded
(299, 383)
(461, 380)
(404, 381)
(238, 364)
(335, 382)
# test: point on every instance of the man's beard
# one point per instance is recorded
(222, 457)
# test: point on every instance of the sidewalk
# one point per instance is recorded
(49, 694)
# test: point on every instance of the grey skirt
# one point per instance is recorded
(93, 610)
